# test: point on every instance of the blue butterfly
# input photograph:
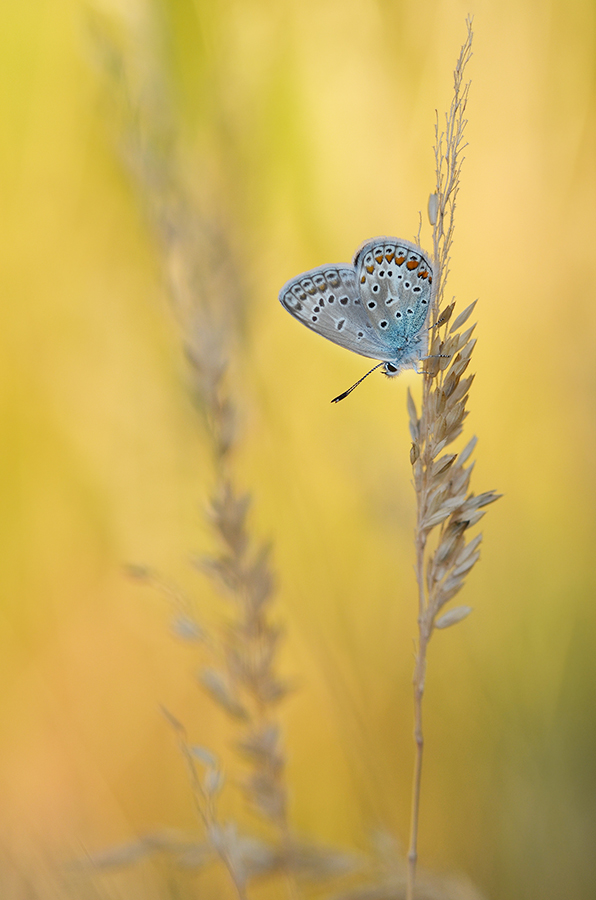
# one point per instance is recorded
(377, 307)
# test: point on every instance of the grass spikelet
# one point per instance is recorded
(446, 508)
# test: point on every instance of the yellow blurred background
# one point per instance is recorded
(305, 127)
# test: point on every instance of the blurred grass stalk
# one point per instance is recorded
(445, 507)
(208, 300)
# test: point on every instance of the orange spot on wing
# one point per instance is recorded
(400, 260)
(412, 264)
(423, 274)
(370, 269)
(389, 255)
(362, 280)
(379, 258)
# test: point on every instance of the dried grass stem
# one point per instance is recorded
(445, 506)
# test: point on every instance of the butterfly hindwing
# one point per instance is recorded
(394, 280)
(327, 299)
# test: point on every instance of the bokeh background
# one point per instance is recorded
(303, 128)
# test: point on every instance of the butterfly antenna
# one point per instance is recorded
(360, 380)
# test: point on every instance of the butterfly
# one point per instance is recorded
(377, 307)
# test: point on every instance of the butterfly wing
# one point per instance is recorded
(328, 301)
(395, 284)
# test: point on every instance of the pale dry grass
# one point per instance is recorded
(446, 507)
(239, 659)
(206, 297)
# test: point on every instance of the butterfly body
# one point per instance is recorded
(377, 307)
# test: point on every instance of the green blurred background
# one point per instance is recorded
(307, 127)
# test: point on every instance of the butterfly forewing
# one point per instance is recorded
(327, 299)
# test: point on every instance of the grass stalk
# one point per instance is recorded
(208, 300)
(445, 506)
